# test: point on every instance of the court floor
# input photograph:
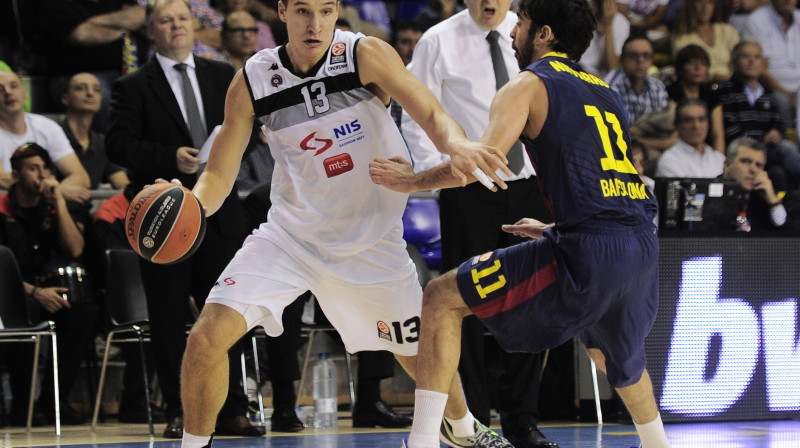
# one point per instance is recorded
(779, 434)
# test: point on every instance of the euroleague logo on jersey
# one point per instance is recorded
(338, 53)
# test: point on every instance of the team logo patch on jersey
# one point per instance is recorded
(485, 257)
(338, 53)
(312, 143)
(277, 80)
(337, 165)
(384, 332)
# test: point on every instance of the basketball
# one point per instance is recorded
(165, 223)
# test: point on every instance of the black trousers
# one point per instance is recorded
(168, 288)
(471, 220)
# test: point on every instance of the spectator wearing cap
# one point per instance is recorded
(36, 225)
(18, 127)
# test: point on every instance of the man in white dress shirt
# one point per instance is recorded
(691, 156)
(455, 60)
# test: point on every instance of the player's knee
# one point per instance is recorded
(441, 295)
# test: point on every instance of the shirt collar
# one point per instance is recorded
(167, 63)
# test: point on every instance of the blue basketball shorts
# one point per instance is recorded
(598, 282)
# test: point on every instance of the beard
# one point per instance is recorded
(524, 54)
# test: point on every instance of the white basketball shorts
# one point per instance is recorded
(372, 298)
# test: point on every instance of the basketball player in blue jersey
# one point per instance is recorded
(593, 274)
(322, 101)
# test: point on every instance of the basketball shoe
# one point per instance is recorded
(483, 438)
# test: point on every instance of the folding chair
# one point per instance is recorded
(15, 327)
(126, 305)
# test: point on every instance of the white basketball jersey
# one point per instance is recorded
(323, 131)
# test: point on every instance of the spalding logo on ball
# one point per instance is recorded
(165, 223)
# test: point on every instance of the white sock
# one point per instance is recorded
(190, 441)
(464, 426)
(652, 434)
(428, 412)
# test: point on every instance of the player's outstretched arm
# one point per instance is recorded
(380, 67)
(518, 108)
(216, 182)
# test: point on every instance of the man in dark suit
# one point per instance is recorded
(160, 116)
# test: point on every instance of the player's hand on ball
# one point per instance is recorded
(165, 223)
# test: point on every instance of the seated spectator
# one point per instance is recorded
(739, 10)
(644, 97)
(745, 163)
(406, 36)
(18, 127)
(99, 37)
(640, 160)
(436, 11)
(207, 30)
(264, 37)
(776, 27)
(691, 66)
(700, 24)
(750, 110)
(612, 31)
(640, 93)
(691, 156)
(646, 16)
(82, 100)
(36, 225)
(239, 38)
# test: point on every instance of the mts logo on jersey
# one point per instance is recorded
(338, 164)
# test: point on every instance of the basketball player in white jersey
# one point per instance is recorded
(322, 101)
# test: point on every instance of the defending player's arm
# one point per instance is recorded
(216, 182)
(511, 108)
(380, 66)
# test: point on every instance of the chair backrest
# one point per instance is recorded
(125, 297)
(13, 311)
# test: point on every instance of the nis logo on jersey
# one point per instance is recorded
(343, 135)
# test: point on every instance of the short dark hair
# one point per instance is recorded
(403, 25)
(687, 54)
(572, 22)
(686, 102)
(634, 37)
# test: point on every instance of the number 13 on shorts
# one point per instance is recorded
(407, 331)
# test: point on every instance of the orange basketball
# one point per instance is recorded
(165, 223)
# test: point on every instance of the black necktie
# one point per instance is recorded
(515, 158)
(195, 124)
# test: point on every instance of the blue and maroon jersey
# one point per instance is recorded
(582, 153)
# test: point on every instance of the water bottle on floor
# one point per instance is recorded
(324, 392)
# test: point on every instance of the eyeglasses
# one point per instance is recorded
(634, 55)
(243, 31)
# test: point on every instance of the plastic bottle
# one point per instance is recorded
(324, 392)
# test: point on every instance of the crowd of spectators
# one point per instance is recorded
(695, 77)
